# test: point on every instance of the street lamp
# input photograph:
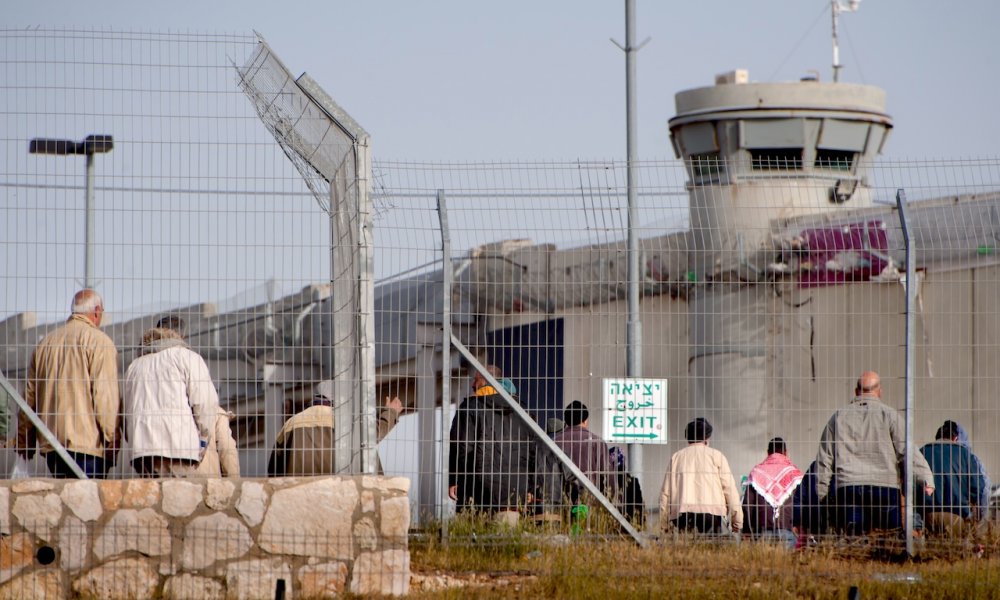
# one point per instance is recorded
(91, 145)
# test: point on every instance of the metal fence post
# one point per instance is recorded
(446, 283)
(911, 300)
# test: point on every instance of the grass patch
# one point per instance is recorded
(486, 560)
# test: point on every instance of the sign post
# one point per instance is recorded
(635, 410)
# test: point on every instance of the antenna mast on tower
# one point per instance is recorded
(836, 7)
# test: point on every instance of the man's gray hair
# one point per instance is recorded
(86, 302)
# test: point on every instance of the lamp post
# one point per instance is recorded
(91, 145)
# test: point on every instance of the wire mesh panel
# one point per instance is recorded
(135, 164)
(230, 214)
(766, 292)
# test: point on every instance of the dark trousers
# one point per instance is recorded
(92, 466)
(700, 522)
(858, 509)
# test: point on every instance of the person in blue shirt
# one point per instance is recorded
(961, 495)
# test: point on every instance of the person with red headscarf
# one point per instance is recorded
(767, 502)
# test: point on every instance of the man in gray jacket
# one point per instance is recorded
(863, 444)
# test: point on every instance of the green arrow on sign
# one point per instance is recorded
(651, 436)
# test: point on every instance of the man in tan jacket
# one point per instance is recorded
(73, 387)
(699, 491)
(304, 446)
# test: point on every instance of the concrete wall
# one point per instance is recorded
(204, 538)
(814, 342)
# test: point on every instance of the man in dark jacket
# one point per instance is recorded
(587, 451)
(492, 452)
(961, 488)
(809, 516)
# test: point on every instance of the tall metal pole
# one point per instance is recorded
(835, 9)
(633, 335)
(447, 275)
(88, 240)
(834, 14)
(911, 358)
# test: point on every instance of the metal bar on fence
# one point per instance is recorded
(447, 274)
(910, 354)
(365, 308)
(341, 355)
(551, 445)
(41, 428)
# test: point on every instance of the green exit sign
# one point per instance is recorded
(635, 410)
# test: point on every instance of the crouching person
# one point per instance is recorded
(699, 492)
(767, 503)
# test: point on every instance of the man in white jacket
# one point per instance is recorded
(170, 406)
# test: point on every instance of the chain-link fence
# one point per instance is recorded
(769, 282)
(764, 339)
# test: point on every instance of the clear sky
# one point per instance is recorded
(523, 79)
(434, 81)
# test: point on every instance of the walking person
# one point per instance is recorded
(170, 406)
(73, 388)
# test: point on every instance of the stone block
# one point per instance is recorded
(396, 518)
(365, 534)
(44, 584)
(180, 497)
(312, 519)
(252, 502)
(218, 494)
(125, 578)
(325, 580)
(144, 531)
(187, 586)
(38, 514)
(386, 484)
(30, 486)
(111, 493)
(213, 538)
(16, 553)
(257, 579)
(83, 499)
(385, 573)
(74, 543)
(367, 501)
(141, 493)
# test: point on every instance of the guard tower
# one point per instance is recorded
(760, 151)
(757, 153)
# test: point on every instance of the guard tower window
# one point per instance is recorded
(773, 159)
(837, 160)
(706, 166)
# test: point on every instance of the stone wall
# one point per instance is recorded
(314, 537)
